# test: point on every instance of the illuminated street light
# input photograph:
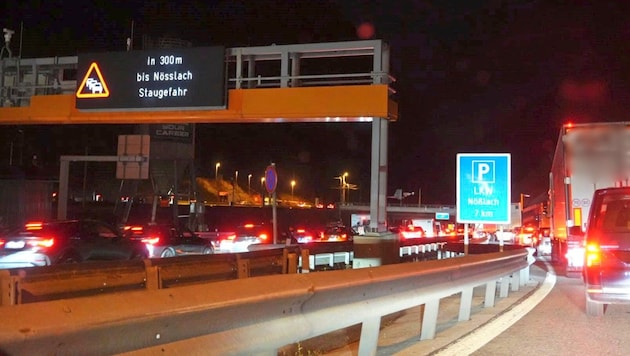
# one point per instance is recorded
(249, 184)
(342, 187)
(522, 205)
(262, 190)
(216, 170)
(292, 186)
(234, 187)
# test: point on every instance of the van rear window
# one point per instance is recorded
(614, 214)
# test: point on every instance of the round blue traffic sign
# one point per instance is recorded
(271, 178)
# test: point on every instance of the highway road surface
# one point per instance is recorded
(545, 317)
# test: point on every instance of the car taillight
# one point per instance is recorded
(301, 231)
(231, 237)
(593, 255)
(151, 240)
(42, 243)
(1, 242)
(263, 236)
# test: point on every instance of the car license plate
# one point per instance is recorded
(14, 244)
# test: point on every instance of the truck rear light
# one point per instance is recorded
(593, 255)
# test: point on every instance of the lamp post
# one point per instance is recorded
(292, 187)
(344, 185)
(249, 184)
(262, 190)
(216, 171)
(522, 205)
(234, 187)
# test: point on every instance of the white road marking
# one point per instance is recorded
(484, 334)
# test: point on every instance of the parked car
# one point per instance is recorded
(68, 241)
(166, 240)
(244, 236)
(606, 270)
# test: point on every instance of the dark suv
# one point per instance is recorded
(69, 241)
(606, 269)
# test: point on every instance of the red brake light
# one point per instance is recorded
(42, 243)
(151, 240)
(263, 236)
(249, 226)
(33, 226)
(231, 237)
(136, 230)
(593, 255)
(301, 231)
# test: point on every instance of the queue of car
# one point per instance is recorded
(69, 241)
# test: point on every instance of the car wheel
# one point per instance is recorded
(208, 250)
(594, 308)
(168, 252)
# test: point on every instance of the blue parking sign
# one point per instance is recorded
(483, 188)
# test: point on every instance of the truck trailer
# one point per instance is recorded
(588, 156)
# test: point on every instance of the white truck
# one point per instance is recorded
(588, 156)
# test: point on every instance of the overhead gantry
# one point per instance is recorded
(319, 82)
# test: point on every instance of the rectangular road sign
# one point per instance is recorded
(483, 188)
(442, 216)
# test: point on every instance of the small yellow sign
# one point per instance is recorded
(93, 84)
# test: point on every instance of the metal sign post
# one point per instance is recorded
(483, 189)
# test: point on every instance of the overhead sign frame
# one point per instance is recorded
(483, 188)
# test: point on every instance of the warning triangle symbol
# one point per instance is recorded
(93, 84)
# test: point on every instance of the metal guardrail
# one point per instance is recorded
(37, 284)
(258, 315)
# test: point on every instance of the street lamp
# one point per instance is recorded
(234, 187)
(262, 190)
(522, 205)
(216, 170)
(249, 184)
(292, 186)
(344, 185)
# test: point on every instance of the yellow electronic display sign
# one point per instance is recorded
(93, 84)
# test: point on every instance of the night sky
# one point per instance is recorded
(472, 76)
